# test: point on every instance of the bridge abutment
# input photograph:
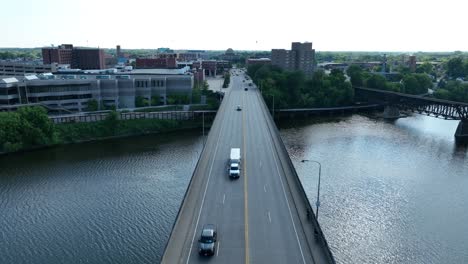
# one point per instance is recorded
(391, 112)
(461, 135)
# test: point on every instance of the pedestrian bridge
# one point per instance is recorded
(262, 217)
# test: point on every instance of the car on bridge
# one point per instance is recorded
(207, 241)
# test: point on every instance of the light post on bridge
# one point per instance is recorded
(203, 128)
(318, 187)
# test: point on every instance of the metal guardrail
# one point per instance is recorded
(166, 115)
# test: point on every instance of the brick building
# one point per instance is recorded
(78, 58)
(156, 63)
(61, 54)
(301, 57)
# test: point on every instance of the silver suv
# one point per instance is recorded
(207, 241)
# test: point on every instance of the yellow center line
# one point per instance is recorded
(246, 203)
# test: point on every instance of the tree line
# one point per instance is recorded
(406, 82)
(295, 90)
(30, 127)
(25, 128)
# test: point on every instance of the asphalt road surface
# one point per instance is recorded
(255, 214)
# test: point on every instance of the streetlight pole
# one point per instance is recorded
(203, 125)
(318, 187)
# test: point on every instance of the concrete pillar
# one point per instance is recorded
(391, 112)
(461, 134)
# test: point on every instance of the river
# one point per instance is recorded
(390, 193)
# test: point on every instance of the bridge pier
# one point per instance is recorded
(461, 135)
(391, 112)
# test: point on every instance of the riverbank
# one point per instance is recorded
(31, 129)
(85, 132)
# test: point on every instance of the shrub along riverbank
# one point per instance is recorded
(30, 127)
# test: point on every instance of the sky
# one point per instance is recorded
(331, 25)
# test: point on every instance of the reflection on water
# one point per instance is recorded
(103, 202)
(391, 192)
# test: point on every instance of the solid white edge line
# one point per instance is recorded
(217, 248)
(284, 192)
(204, 194)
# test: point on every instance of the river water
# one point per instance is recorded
(103, 202)
(390, 193)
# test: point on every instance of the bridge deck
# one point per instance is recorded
(261, 217)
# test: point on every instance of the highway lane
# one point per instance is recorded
(277, 238)
(224, 200)
(254, 214)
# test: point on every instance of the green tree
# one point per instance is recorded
(442, 94)
(93, 105)
(411, 85)
(425, 82)
(377, 81)
(27, 127)
(156, 100)
(355, 73)
(141, 101)
(10, 131)
(456, 68)
(227, 80)
(37, 127)
(453, 91)
(111, 123)
(426, 67)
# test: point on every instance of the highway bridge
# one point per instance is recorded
(262, 217)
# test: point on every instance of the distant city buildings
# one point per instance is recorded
(78, 58)
(261, 61)
(301, 57)
(211, 67)
(230, 56)
(163, 62)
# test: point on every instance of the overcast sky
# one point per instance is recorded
(347, 25)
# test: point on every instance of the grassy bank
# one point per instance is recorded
(77, 132)
(30, 128)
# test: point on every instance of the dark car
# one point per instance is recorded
(207, 241)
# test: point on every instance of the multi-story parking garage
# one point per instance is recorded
(73, 92)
